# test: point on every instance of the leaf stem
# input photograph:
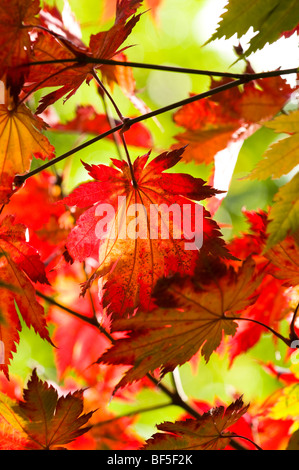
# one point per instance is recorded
(134, 182)
(104, 90)
(287, 341)
(245, 439)
(112, 124)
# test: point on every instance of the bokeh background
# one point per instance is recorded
(175, 37)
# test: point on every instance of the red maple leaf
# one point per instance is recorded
(20, 265)
(16, 17)
(70, 76)
(211, 124)
(49, 227)
(134, 248)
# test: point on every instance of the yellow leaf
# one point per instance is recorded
(284, 214)
(287, 404)
(20, 140)
(283, 156)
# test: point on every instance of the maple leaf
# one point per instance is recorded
(47, 228)
(19, 265)
(62, 23)
(284, 214)
(135, 250)
(284, 259)
(214, 123)
(103, 45)
(46, 420)
(285, 405)
(88, 121)
(20, 139)
(191, 313)
(269, 18)
(282, 157)
(15, 17)
(205, 433)
(78, 344)
(284, 256)
(277, 273)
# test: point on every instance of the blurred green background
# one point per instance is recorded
(176, 38)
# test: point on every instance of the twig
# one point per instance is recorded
(129, 122)
(134, 413)
(287, 341)
(165, 68)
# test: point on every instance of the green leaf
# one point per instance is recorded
(269, 18)
(284, 214)
(283, 156)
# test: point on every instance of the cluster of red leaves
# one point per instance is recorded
(157, 304)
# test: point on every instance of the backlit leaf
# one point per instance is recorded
(191, 313)
(269, 19)
(19, 265)
(283, 156)
(284, 214)
(20, 139)
(209, 432)
(48, 421)
(134, 249)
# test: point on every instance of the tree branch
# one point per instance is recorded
(165, 68)
(128, 123)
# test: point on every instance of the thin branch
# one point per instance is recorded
(104, 90)
(245, 439)
(134, 413)
(166, 68)
(134, 182)
(20, 179)
(128, 122)
(112, 124)
(91, 321)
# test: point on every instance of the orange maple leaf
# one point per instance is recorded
(211, 124)
(15, 43)
(20, 139)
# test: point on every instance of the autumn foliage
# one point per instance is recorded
(128, 276)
